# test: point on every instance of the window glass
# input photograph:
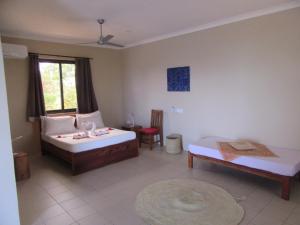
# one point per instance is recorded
(51, 85)
(59, 87)
(69, 86)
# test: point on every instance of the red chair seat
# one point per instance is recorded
(149, 130)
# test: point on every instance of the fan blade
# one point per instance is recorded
(113, 44)
(107, 38)
(87, 43)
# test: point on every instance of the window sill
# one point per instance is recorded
(53, 114)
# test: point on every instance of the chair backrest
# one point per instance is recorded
(156, 118)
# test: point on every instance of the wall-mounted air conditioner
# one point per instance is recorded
(13, 51)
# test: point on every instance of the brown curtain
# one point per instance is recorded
(86, 98)
(35, 101)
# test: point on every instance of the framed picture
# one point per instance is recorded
(178, 78)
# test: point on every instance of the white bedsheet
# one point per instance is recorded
(287, 163)
(67, 142)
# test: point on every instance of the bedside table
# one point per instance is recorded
(22, 170)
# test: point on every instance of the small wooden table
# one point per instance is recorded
(22, 169)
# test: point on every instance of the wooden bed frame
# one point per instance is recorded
(84, 161)
(284, 180)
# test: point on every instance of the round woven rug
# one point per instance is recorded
(187, 202)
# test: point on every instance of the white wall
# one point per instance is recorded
(245, 81)
(9, 214)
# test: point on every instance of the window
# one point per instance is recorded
(59, 87)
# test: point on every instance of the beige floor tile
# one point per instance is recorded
(30, 218)
(80, 190)
(275, 213)
(110, 212)
(33, 194)
(126, 218)
(94, 219)
(63, 219)
(279, 209)
(249, 212)
(73, 203)
(64, 196)
(294, 217)
(51, 212)
(57, 190)
(38, 203)
(81, 212)
(47, 184)
(262, 220)
(106, 196)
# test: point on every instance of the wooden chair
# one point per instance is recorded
(147, 135)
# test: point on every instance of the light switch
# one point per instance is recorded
(176, 109)
(179, 110)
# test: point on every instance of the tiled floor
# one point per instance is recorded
(106, 196)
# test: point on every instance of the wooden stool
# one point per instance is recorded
(22, 169)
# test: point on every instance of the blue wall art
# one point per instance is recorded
(179, 78)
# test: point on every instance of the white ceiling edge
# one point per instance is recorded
(245, 16)
(249, 15)
(52, 40)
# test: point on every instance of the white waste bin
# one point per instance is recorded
(174, 144)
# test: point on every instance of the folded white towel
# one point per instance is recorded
(80, 136)
(101, 132)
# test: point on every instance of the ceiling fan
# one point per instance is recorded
(104, 40)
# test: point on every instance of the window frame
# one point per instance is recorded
(59, 62)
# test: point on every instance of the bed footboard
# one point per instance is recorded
(285, 181)
(85, 161)
(95, 158)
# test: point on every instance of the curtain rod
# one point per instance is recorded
(64, 56)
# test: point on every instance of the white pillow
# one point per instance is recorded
(58, 125)
(90, 117)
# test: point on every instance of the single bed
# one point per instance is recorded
(282, 168)
(93, 152)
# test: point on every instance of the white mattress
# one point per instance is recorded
(287, 163)
(67, 142)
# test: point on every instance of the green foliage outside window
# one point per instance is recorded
(69, 86)
(51, 81)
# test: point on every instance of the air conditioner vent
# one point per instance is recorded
(13, 51)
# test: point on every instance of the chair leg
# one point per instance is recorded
(151, 141)
(140, 140)
(161, 139)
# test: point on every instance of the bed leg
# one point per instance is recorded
(73, 164)
(298, 176)
(285, 188)
(43, 152)
(190, 160)
(43, 149)
(74, 170)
